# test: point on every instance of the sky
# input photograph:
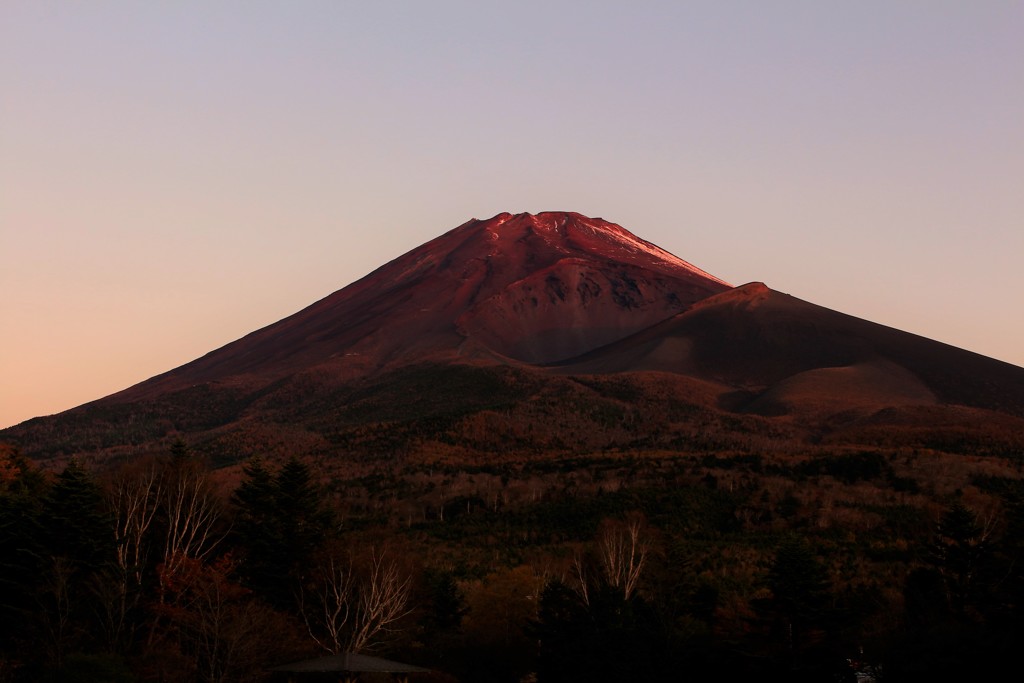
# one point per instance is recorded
(174, 175)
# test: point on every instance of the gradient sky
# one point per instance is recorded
(174, 175)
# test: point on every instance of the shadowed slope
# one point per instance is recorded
(796, 354)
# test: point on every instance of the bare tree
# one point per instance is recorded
(328, 607)
(345, 610)
(133, 499)
(383, 601)
(581, 578)
(622, 549)
(190, 532)
(192, 513)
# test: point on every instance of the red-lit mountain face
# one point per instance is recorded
(513, 288)
(553, 333)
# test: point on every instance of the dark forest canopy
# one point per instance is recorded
(601, 566)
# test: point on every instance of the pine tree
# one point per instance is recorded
(75, 523)
(301, 510)
(22, 489)
(256, 530)
(800, 590)
(282, 520)
(77, 546)
(960, 552)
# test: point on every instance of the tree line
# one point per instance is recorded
(152, 571)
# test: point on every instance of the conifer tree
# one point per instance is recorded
(75, 523)
(800, 591)
(77, 545)
(960, 551)
(282, 519)
(301, 510)
(22, 489)
(255, 529)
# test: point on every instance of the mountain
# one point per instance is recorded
(571, 328)
(514, 288)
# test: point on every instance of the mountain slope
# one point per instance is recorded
(776, 347)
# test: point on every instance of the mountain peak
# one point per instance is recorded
(569, 232)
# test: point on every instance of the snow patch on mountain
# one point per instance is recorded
(633, 244)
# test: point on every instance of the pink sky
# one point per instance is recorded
(175, 175)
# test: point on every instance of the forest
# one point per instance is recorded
(858, 564)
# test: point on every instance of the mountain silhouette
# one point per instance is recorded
(518, 309)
